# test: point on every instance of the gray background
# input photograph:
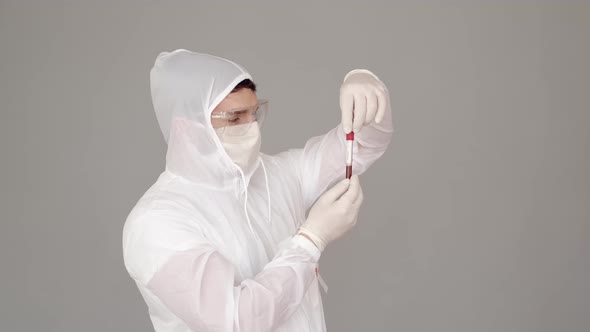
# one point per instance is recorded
(476, 219)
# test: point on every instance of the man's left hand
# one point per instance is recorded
(363, 94)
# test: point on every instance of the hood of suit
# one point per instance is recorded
(186, 87)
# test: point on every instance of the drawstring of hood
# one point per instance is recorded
(267, 192)
(246, 197)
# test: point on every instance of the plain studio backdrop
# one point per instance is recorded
(477, 218)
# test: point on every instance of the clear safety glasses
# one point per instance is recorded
(239, 119)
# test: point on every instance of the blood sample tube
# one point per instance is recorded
(349, 140)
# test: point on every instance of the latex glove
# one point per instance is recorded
(334, 213)
(363, 94)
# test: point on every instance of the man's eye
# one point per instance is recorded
(234, 119)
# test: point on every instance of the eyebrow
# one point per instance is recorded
(239, 111)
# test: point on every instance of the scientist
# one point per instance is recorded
(221, 240)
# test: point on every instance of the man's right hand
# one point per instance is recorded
(334, 213)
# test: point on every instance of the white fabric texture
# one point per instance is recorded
(212, 248)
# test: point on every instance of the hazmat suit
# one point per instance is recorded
(212, 248)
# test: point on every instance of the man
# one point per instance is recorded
(221, 242)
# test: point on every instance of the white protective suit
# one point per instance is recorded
(212, 248)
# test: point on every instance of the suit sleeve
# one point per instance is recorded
(197, 283)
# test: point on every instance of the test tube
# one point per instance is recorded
(349, 140)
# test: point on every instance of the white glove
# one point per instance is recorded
(334, 213)
(365, 95)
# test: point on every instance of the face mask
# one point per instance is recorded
(242, 149)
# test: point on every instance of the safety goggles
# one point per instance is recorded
(240, 116)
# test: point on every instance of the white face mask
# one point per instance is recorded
(242, 149)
